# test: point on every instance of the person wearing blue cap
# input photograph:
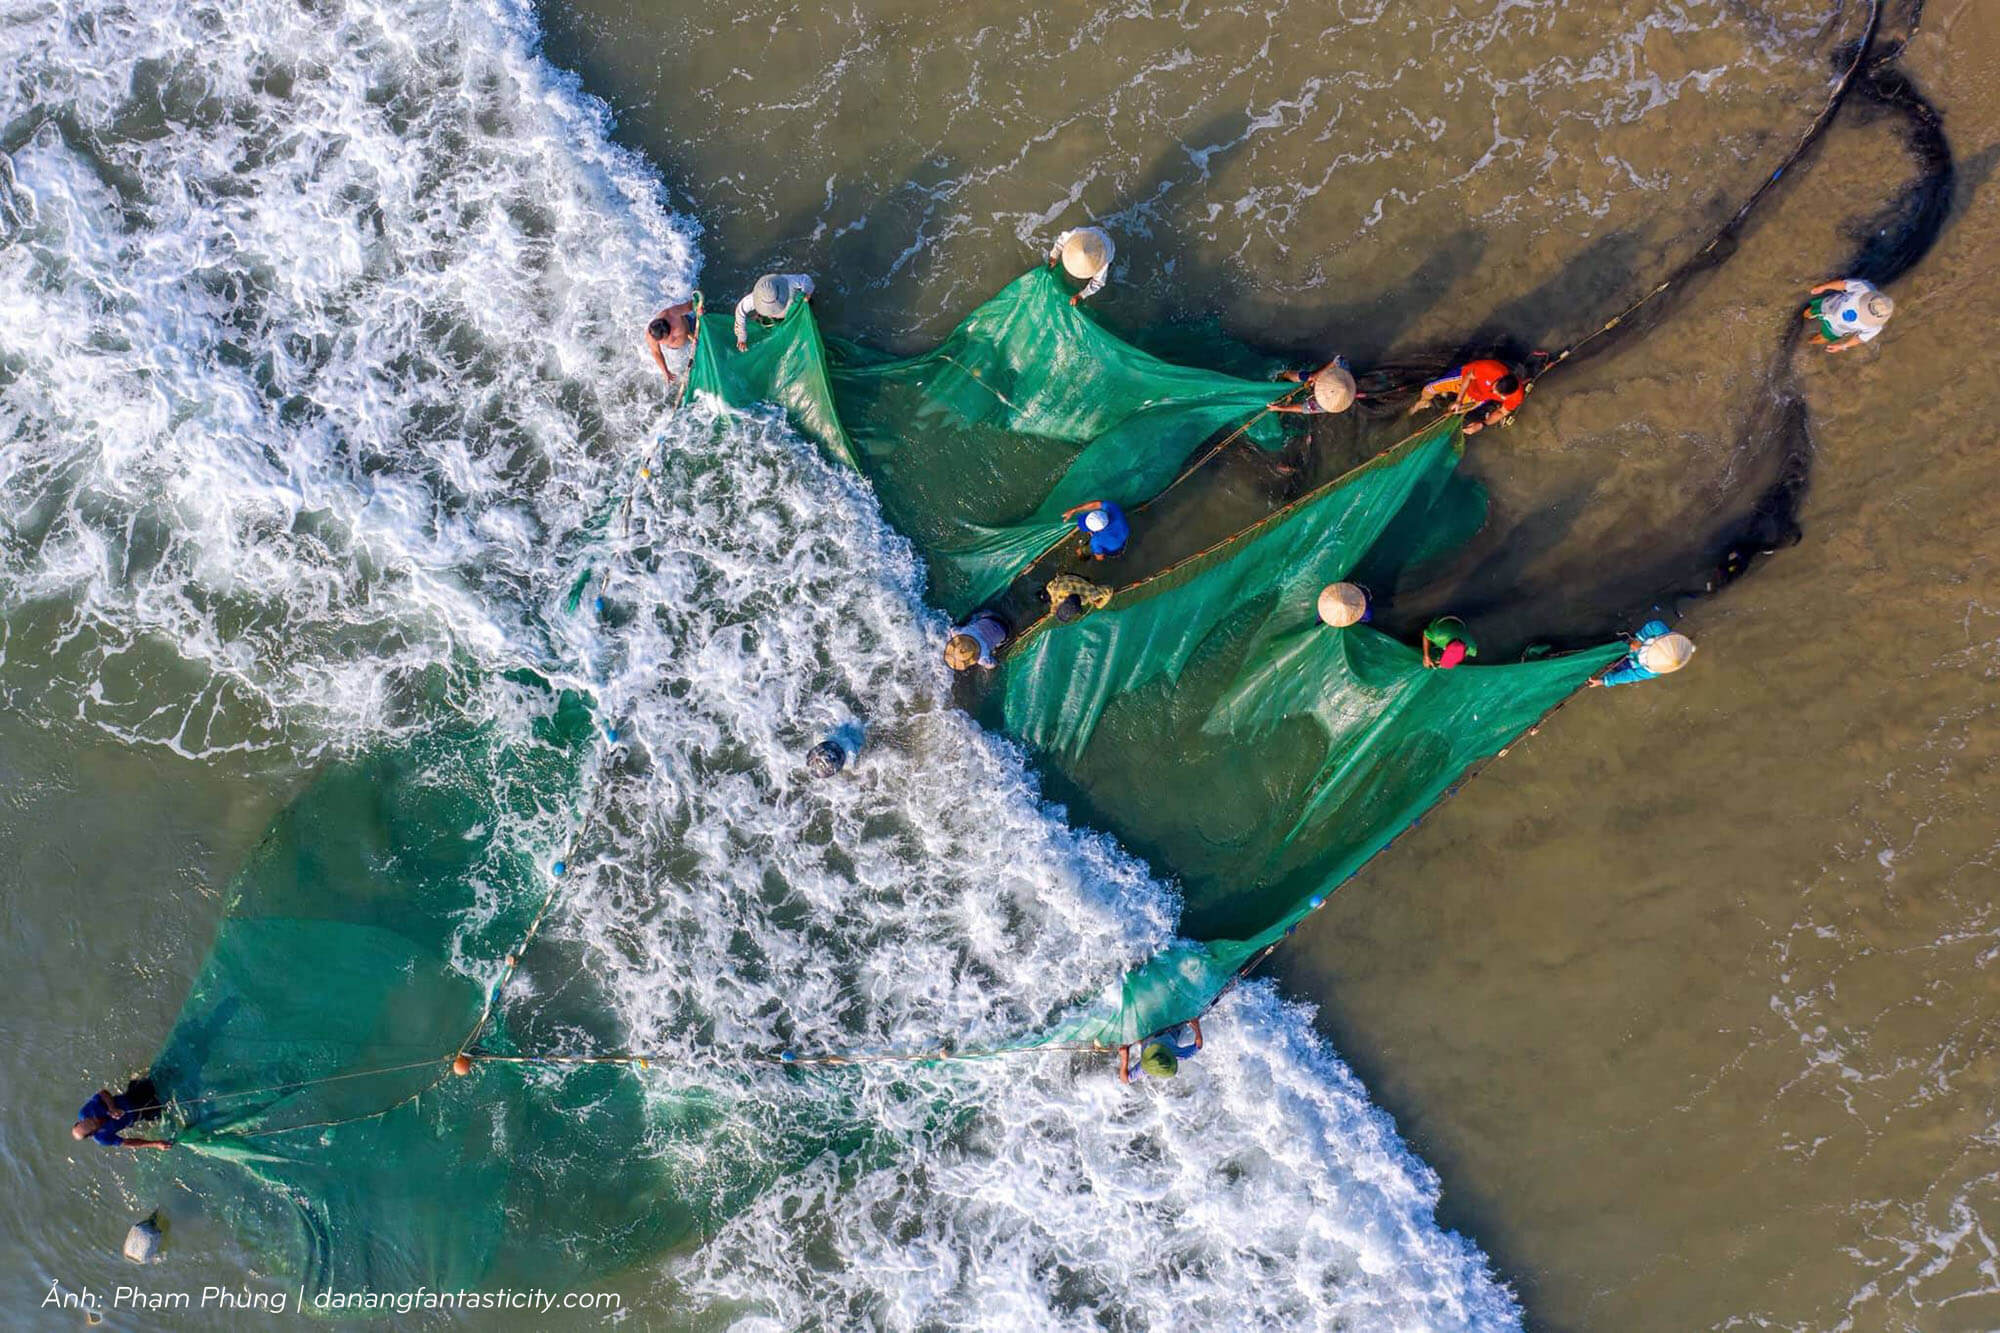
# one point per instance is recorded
(1104, 527)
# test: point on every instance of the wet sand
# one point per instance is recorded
(1690, 999)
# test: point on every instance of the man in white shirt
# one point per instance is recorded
(770, 299)
(1086, 253)
(1849, 312)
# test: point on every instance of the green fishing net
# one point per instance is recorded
(976, 448)
(1259, 757)
(308, 1075)
(1204, 716)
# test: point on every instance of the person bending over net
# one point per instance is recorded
(1332, 389)
(975, 642)
(1847, 312)
(107, 1115)
(1344, 604)
(1085, 254)
(670, 338)
(770, 299)
(1070, 595)
(1104, 528)
(1484, 392)
(1447, 636)
(1161, 1056)
(1656, 651)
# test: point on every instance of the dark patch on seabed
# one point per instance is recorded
(1775, 443)
(1778, 433)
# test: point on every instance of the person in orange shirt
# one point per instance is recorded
(1484, 392)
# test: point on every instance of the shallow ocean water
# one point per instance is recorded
(320, 350)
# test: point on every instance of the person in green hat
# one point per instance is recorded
(1447, 634)
(1161, 1055)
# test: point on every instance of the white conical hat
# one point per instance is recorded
(1087, 252)
(1342, 604)
(772, 296)
(1333, 389)
(1875, 309)
(1668, 653)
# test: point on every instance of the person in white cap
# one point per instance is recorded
(1103, 526)
(1332, 389)
(770, 299)
(1849, 312)
(1344, 604)
(1086, 253)
(1655, 651)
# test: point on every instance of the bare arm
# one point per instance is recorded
(1837, 285)
(660, 359)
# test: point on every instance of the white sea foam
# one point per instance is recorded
(319, 365)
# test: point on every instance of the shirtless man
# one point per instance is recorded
(670, 338)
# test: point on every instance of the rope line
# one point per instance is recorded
(466, 1049)
(1696, 262)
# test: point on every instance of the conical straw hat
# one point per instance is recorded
(1342, 604)
(1668, 653)
(1333, 389)
(1876, 307)
(1087, 252)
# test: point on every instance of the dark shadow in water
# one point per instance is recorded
(1776, 441)
(1774, 448)
(1891, 243)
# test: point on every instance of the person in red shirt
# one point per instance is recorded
(1484, 392)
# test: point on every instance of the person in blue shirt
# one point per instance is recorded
(1656, 651)
(1162, 1055)
(1104, 527)
(107, 1115)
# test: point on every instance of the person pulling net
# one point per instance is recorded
(983, 449)
(1085, 254)
(1235, 718)
(336, 1080)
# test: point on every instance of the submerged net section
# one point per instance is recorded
(309, 1078)
(1209, 720)
(1204, 716)
(976, 448)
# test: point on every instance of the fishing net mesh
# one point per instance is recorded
(976, 448)
(308, 1075)
(1204, 716)
(1297, 751)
